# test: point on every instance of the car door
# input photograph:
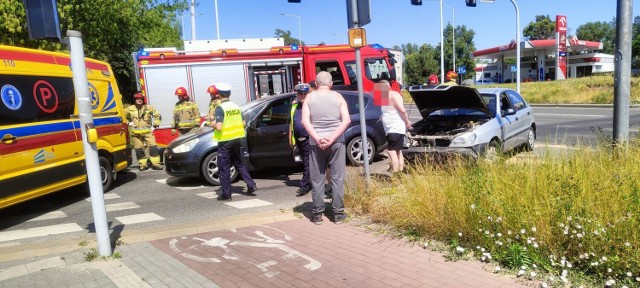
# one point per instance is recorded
(268, 136)
(523, 117)
(509, 122)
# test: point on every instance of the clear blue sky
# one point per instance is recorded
(393, 22)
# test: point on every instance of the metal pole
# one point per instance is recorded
(363, 123)
(217, 23)
(515, 5)
(193, 20)
(622, 73)
(441, 46)
(300, 30)
(92, 161)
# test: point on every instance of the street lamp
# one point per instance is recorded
(453, 34)
(217, 24)
(344, 39)
(299, 25)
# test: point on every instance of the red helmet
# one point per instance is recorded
(212, 90)
(433, 79)
(181, 91)
(452, 75)
(138, 95)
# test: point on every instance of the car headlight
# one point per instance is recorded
(186, 146)
(465, 139)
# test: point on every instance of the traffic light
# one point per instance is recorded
(293, 1)
(416, 2)
(470, 3)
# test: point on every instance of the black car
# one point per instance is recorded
(267, 144)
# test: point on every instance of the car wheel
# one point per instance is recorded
(355, 154)
(531, 140)
(107, 175)
(493, 151)
(209, 170)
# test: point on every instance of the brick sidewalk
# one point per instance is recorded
(275, 249)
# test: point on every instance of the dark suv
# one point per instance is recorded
(267, 144)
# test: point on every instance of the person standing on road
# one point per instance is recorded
(142, 120)
(228, 132)
(186, 115)
(299, 136)
(451, 79)
(396, 123)
(215, 101)
(325, 117)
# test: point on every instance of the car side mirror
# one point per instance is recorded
(510, 111)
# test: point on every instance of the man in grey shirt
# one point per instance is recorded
(325, 116)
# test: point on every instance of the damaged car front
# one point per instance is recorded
(456, 121)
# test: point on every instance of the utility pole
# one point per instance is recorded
(622, 73)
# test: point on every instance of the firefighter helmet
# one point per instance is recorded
(181, 91)
(138, 95)
(212, 90)
(433, 80)
(452, 75)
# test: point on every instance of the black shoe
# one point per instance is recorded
(251, 190)
(145, 168)
(157, 167)
(223, 198)
(317, 219)
(302, 192)
(339, 218)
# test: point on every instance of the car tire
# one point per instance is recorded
(107, 175)
(531, 140)
(209, 170)
(493, 152)
(355, 152)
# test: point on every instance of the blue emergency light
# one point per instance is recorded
(294, 47)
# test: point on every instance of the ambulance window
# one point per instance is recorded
(333, 67)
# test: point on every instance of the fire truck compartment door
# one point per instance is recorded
(208, 74)
(161, 83)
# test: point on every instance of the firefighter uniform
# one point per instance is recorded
(142, 118)
(186, 115)
(215, 101)
(229, 132)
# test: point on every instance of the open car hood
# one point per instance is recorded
(429, 99)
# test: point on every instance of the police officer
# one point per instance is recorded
(142, 120)
(186, 115)
(228, 132)
(215, 101)
(300, 137)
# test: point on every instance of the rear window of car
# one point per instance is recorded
(352, 102)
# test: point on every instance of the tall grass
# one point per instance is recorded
(587, 90)
(568, 217)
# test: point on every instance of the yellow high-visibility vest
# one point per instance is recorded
(232, 125)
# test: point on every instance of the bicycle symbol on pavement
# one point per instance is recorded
(231, 249)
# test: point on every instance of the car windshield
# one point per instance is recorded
(251, 109)
(490, 101)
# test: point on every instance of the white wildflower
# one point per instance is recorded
(638, 279)
(535, 245)
(523, 267)
(521, 272)
(509, 232)
(625, 286)
(579, 235)
(482, 249)
(565, 272)
(459, 249)
(544, 285)
(473, 206)
(610, 282)
(499, 234)
(604, 258)
(627, 244)
(533, 229)
(609, 270)
(460, 234)
(533, 274)
(522, 231)
(497, 269)
(569, 218)
(564, 279)
(629, 274)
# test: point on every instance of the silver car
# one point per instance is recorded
(469, 122)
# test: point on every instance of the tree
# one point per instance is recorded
(419, 64)
(464, 47)
(635, 43)
(542, 28)
(286, 35)
(601, 32)
(111, 29)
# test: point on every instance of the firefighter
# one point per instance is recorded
(215, 101)
(142, 120)
(186, 115)
(451, 79)
(229, 132)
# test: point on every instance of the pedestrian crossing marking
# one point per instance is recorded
(39, 231)
(108, 196)
(183, 188)
(121, 206)
(208, 195)
(244, 204)
(49, 216)
(138, 218)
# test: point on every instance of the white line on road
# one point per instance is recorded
(49, 216)
(183, 188)
(121, 206)
(248, 203)
(569, 115)
(108, 196)
(139, 218)
(39, 231)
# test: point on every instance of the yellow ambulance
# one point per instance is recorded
(40, 138)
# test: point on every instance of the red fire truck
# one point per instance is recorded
(252, 73)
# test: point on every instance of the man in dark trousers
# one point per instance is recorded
(300, 137)
(229, 132)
